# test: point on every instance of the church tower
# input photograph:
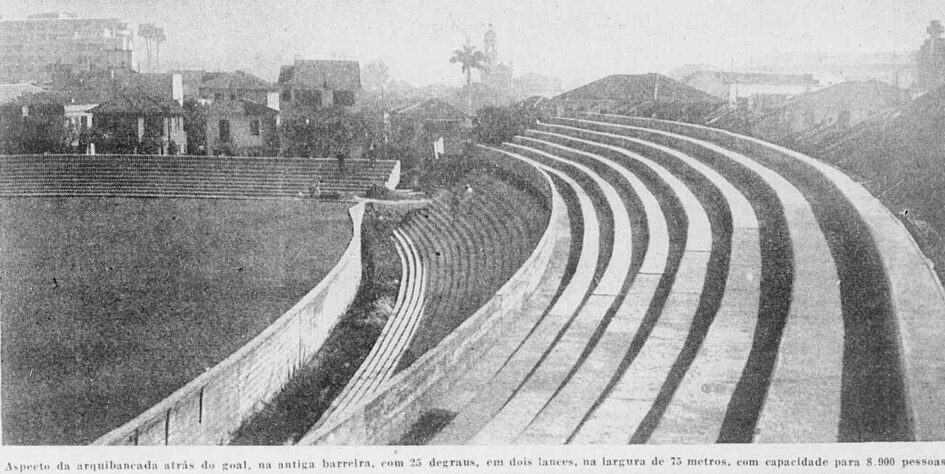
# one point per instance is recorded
(931, 58)
(490, 47)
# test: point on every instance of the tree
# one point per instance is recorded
(34, 135)
(195, 126)
(470, 58)
(326, 132)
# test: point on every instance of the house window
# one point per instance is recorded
(224, 130)
(310, 98)
(232, 96)
(286, 95)
(344, 97)
(85, 122)
(254, 128)
(217, 96)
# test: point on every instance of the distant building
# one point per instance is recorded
(753, 90)
(428, 121)
(931, 59)
(310, 84)
(894, 68)
(10, 92)
(28, 48)
(238, 86)
(651, 95)
(139, 124)
(166, 86)
(240, 127)
(191, 79)
(842, 106)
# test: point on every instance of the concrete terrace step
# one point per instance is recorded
(387, 351)
(590, 384)
(802, 399)
(560, 361)
(475, 412)
(698, 402)
(790, 318)
(894, 323)
(193, 176)
(516, 329)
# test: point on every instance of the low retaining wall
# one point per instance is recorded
(386, 416)
(212, 406)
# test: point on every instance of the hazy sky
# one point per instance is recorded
(576, 41)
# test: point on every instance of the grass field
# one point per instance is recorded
(109, 305)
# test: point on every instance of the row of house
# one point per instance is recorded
(117, 112)
(121, 111)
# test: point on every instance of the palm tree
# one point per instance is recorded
(470, 58)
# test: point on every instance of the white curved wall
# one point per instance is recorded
(211, 407)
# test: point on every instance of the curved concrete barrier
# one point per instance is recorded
(211, 407)
(386, 416)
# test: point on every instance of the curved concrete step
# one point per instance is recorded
(552, 286)
(561, 360)
(389, 347)
(566, 411)
(802, 399)
(911, 322)
(698, 402)
(482, 407)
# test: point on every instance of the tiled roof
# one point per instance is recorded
(756, 78)
(433, 109)
(11, 92)
(152, 85)
(851, 93)
(234, 80)
(638, 88)
(138, 105)
(327, 74)
(239, 107)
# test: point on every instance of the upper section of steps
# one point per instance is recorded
(190, 176)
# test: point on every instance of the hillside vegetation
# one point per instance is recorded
(902, 162)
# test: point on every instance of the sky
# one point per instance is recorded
(573, 40)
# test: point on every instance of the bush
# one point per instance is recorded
(376, 191)
(33, 135)
(224, 149)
